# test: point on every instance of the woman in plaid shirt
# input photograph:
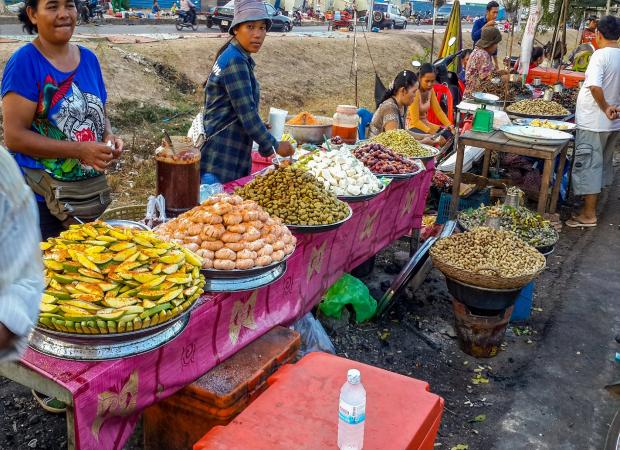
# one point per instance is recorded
(232, 94)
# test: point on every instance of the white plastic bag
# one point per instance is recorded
(313, 336)
(155, 211)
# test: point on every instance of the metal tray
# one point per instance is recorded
(397, 176)
(319, 228)
(44, 342)
(121, 223)
(246, 283)
(360, 198)
(538, 116)
(215, 274)
(93, 339)
(424, 159)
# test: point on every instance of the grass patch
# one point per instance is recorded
(131, 116)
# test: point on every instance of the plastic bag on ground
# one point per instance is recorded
(313, 336)
(348, 290)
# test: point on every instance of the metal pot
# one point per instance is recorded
(548, 95)
(311, 134)
(558, 87)
(536, 82)
(482, 298)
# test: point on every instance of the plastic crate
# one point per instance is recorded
(299, 410)
(216, 398)
(482, 197)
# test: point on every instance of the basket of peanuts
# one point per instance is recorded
(235, 237)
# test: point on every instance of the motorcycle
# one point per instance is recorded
(90, 11)
(187, 19)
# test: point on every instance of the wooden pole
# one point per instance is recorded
(564, 14)
(555, 31)
(433, 33)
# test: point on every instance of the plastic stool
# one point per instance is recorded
(219, 395)
(299, 410)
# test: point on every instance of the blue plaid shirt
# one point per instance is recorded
(231, 117)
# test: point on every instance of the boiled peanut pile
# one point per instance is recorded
(538, 107)
(403, 143)
(295, 196)
(230, 233)
(486, 247)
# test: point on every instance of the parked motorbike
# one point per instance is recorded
(89, 11)
(187, 19)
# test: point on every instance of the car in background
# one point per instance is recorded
(387, 15)
(443, 15)
(223, 17)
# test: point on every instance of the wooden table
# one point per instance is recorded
(497, 140)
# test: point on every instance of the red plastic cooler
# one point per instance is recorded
(299, 410)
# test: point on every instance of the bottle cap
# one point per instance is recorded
(347, 109)
(353, 376)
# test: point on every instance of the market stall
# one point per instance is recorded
(105, 398)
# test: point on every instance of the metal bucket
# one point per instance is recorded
(477, 335)
(513, 200)
(558, 87)
(548, 95)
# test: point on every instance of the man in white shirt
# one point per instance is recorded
(598, 122)
(21, 268)
(188, 7)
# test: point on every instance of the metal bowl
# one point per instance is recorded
(311, 134)
(247, 282)
(397, 176)
(361, 198)
(482, 298)
(58, 347)
(538, 116)
(121, 223)
(319, 228)
(211, 274)
(434, 152)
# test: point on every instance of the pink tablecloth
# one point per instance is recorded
(109, 396)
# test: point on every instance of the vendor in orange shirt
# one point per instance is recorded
(589, 33)
(425, 100)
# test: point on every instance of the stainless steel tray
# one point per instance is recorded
(110, 338)
(132, 224)
(434, 152)
(215, 274)
(397, 176)
(44, 342)
(319, 228)
(246, 283)
(538, 116)
(360, 198)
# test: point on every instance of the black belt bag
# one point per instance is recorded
(85, 199)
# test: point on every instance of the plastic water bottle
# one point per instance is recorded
(352, 413)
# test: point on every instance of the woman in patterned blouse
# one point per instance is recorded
(480, 66)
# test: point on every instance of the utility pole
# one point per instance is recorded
(607, 10)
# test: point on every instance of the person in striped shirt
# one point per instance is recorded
(21, 269)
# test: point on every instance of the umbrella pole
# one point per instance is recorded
(433, 33)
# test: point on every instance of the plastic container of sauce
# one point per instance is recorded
(178, 175)
(345, 123)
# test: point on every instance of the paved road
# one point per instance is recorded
(16, 29)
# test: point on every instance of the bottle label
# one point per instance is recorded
(351, 414)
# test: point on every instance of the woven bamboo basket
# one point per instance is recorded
(130, 212)
(481, 279)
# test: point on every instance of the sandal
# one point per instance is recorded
(50, 404)
(576, 223)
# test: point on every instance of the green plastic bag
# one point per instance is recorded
(348, 290)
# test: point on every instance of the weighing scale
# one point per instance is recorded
(483, 117)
